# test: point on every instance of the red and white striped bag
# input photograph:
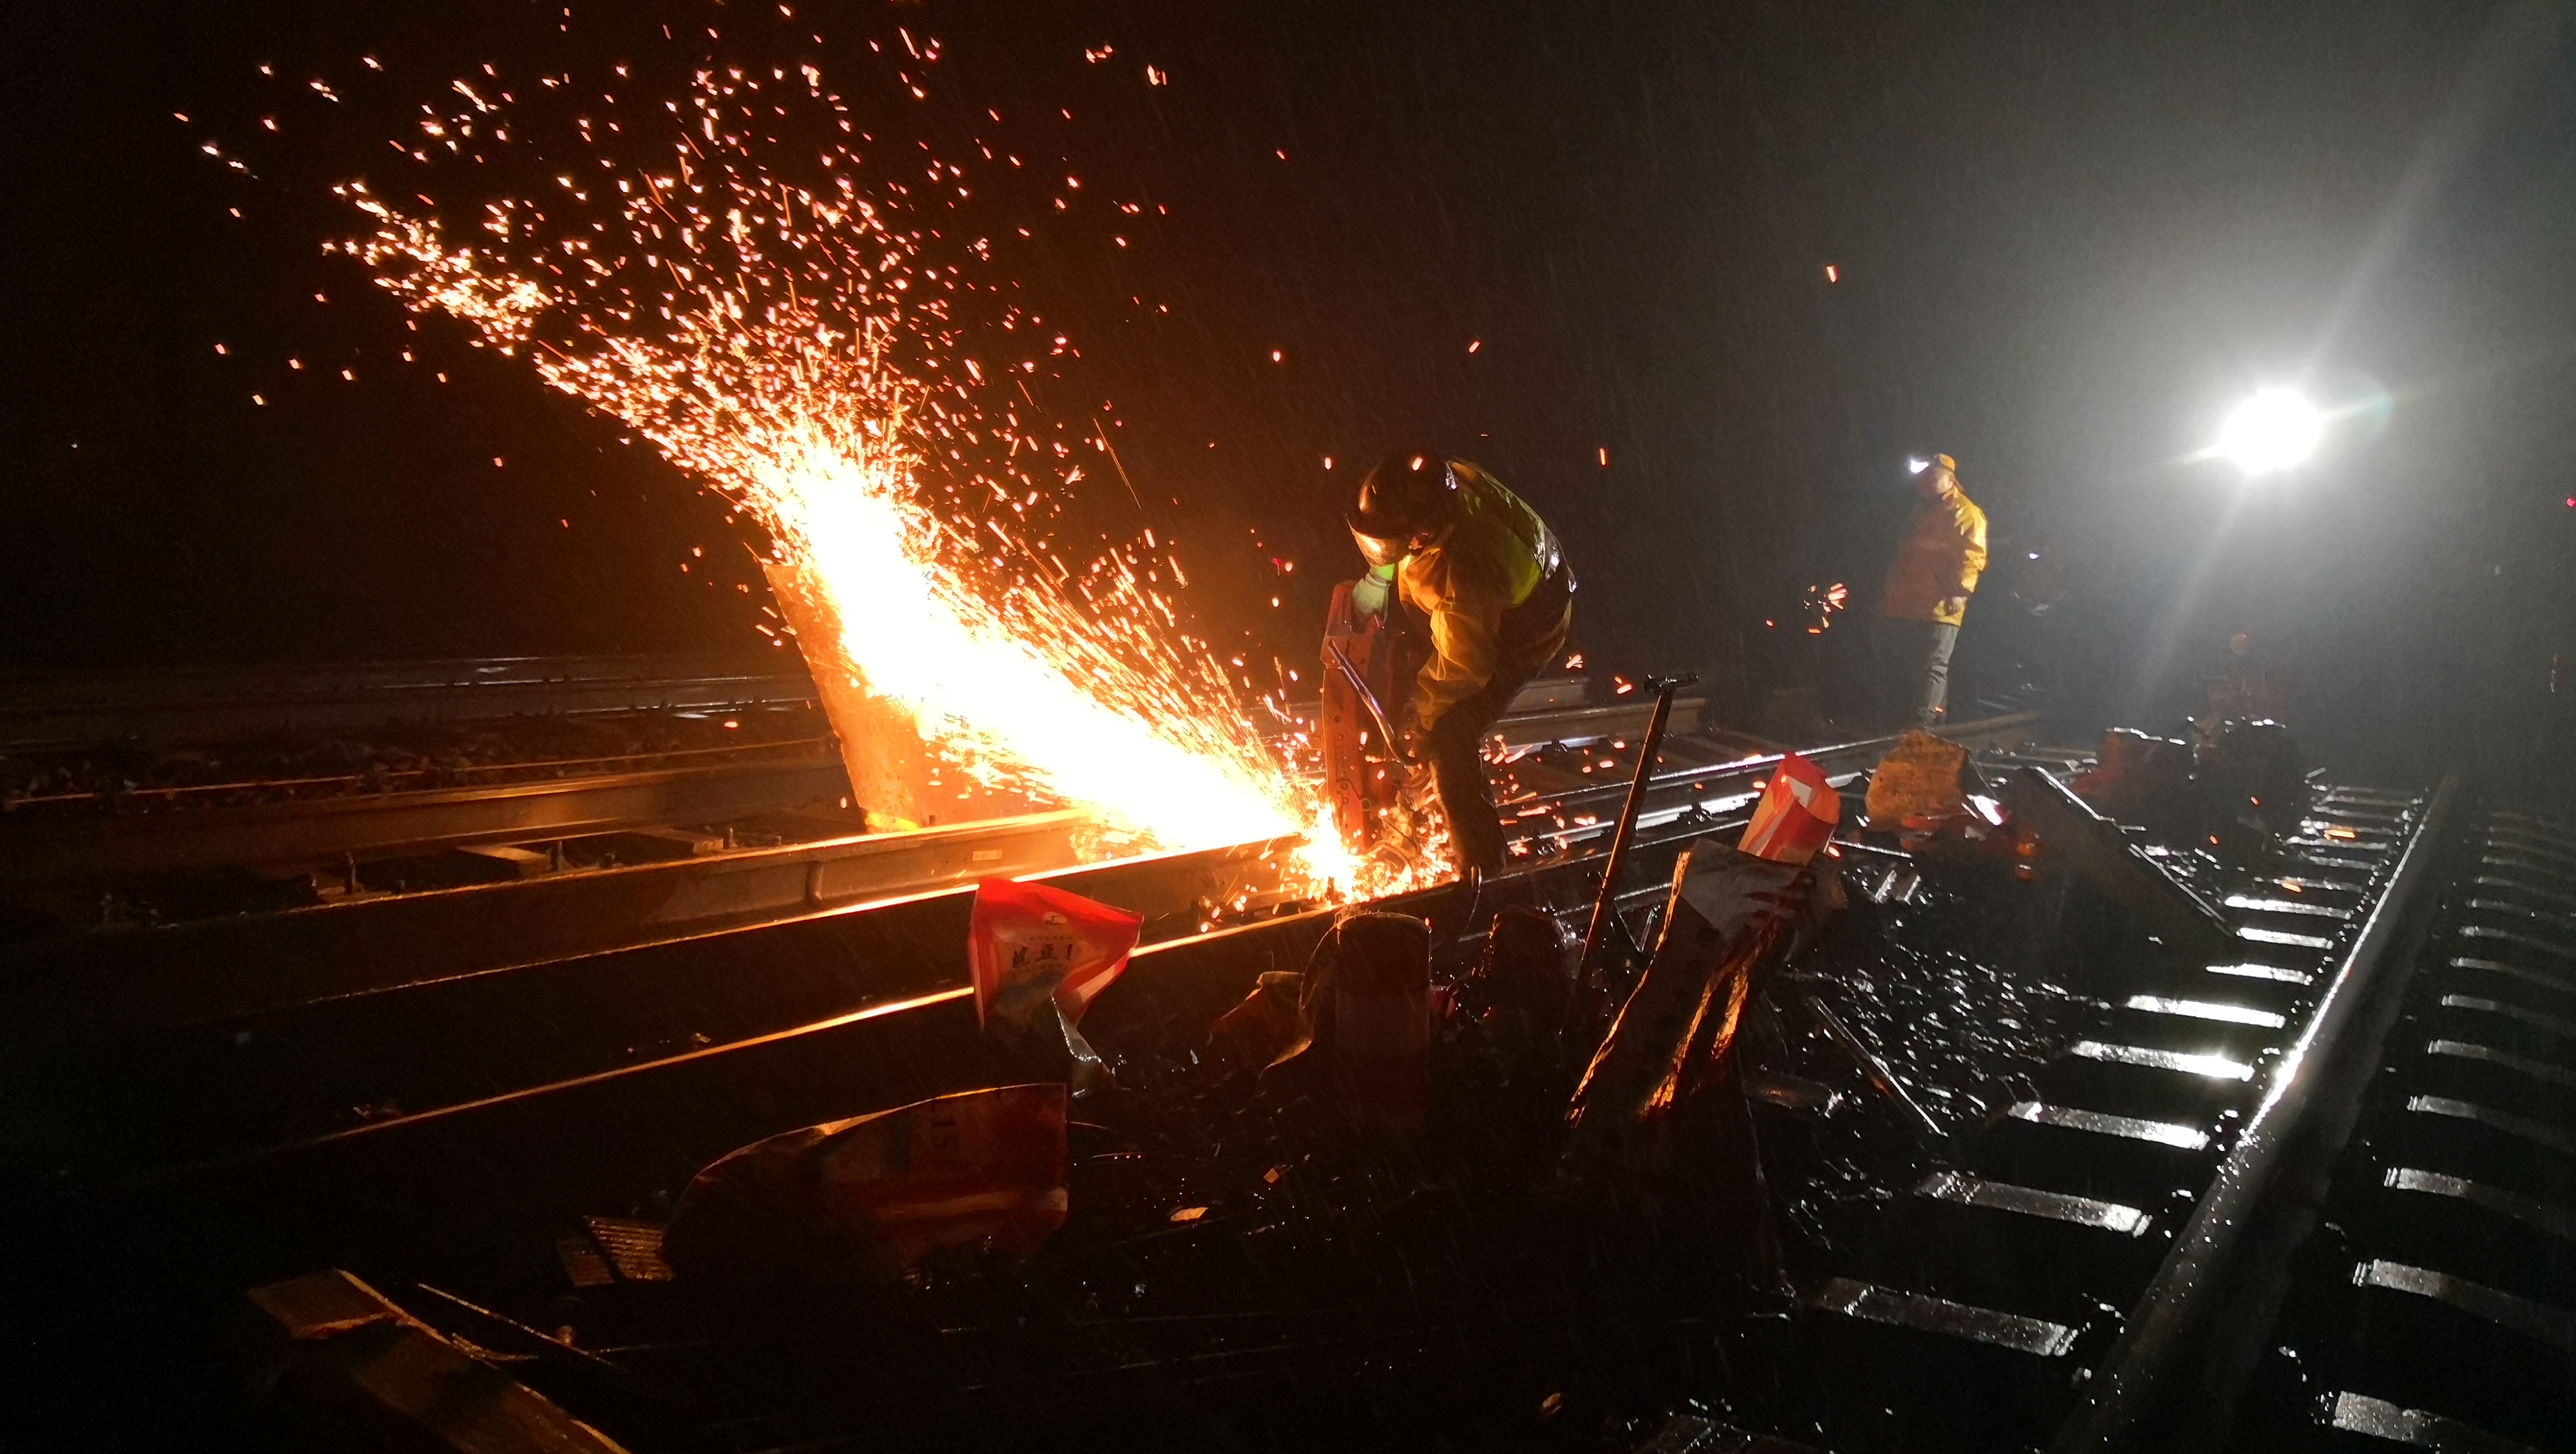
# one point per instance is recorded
(1029, 943)
(1796, 815)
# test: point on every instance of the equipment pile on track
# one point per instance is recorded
(2025, 1088)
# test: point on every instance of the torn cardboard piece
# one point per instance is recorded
(874, 1195)
(357, 1372)
(1920, 783)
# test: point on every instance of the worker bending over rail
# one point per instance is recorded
(1446, 540)
(1928, 588)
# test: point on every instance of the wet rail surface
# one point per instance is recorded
(60, 709)
(1951, 1284)
(305, 1068)
(1978, 1286)
(2433, 1305)
(159, 1049)
(119, 922)
(1955, 1274)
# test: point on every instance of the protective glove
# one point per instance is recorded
(1369, 593)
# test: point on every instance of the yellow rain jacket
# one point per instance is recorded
(1494, 559)
(1943, 554)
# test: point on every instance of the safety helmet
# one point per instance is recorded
(1405, 504)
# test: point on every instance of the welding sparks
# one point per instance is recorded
(1820, 605)
(802, 349)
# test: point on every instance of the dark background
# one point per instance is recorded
(2068, 237)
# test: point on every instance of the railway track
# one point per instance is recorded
(102, 987)
(156, 1050)
(593, 799)
(2059, 1258)
(2048, 1253)
(2432, 1302)
(495, 858)
(2054, 1234)
(100, 842)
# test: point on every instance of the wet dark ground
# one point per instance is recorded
(2467, 1199)
(1963, 994)
(1228, 1279)
(1255, 1281)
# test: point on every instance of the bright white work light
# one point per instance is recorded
(1917, 466)
(2270, 432)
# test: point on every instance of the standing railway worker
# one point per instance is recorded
(1927, 591)
(1446, 540)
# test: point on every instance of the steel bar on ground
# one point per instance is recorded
(1925, 1129)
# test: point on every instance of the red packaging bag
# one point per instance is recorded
(1028, 944)
(872, 1195)
(1796, 815)
(982, 1168)
(1381, 1016)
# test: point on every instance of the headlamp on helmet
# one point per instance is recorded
(1405, 504)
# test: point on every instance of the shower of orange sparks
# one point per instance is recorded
(795, 347)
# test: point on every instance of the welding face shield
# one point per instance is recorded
(1405, 504)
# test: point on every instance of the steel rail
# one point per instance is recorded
(137, 980)
(1174, 959)
(107, 847)
(71, 709)
(110, 984)
(1746, 774)
(1197, 974)
(117, 982)
(1587, 723)
(2135, 1390)
(601, 930)
(382, 781)
(520, 1095)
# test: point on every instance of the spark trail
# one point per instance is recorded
(809, 349)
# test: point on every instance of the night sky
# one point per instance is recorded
(2065, 236)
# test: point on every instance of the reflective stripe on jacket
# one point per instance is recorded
(1492, 560)
(1943, 553)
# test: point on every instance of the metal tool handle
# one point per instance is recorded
(1605, 907)
(1925, 1129)
(1368, 699)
